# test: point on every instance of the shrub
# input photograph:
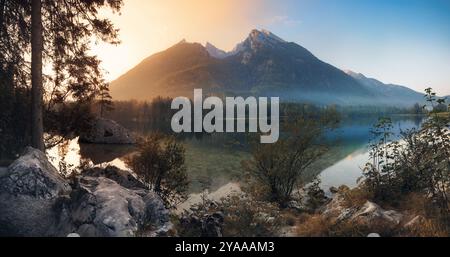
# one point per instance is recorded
(421, 163)
(160, 164)
(243, 217)
(276, 170)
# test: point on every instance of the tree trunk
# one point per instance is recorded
(37, 127)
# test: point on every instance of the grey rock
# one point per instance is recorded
(36, 201)
(121, 177)
(32, 197)
(73, 235)
(373, 235)
(102, 207)
(299, 205)
(212, 225)
(334, 190)
(88, 230)
(368, 214)
(105, 131)
(155, 211)
(336, 209)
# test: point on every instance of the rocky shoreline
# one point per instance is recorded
(36, 201)
(340, 216)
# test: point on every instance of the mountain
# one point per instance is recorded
(171, 73)
(261, 65)
(216, 52)
(400, 94)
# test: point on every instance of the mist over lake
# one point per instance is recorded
(206, 154)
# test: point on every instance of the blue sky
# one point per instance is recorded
(399, 41)
(406, 42)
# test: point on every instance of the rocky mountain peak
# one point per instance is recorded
(215, 52)
(257, 39)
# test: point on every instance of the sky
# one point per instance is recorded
(405, 42)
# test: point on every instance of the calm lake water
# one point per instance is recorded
(214, 161)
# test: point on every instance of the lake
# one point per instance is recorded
(214, 160)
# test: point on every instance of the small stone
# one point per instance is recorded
(334, 190)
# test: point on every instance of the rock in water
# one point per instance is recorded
(31, 195)
(104, 131)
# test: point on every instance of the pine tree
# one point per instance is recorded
(37, 125)
(55, 34)
(105, 100)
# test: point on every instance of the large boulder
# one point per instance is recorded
(105, 131)
(371, 213)
(32, 197)
(121, 177)
(367, 215)
(101, 207)
(36, 201)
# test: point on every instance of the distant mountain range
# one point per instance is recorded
(262, 65)
(399, 94)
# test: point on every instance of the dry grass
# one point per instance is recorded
(289, 218)
(416, 204)
(356, 197)
(318, 226)
(427, 228)
(411, 205)
(312, 226)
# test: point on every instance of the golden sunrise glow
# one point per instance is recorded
(417, 58)
(147, 27)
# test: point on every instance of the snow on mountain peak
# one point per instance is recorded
(255, 40)
(265, 35)
(215, 52)
(355, 75)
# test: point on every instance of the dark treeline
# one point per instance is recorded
(379, 111)
(56, 35)
(14, 117)
(142, 116)
(157, 114)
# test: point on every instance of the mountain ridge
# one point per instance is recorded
(390, 91)
(262, 65)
